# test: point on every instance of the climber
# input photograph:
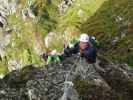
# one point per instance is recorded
(54, 57)
(86, 49)
(94, 42)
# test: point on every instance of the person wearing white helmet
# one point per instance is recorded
(84, 41)
(84, 37)
(84, 47)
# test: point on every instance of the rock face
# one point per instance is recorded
(74, 79)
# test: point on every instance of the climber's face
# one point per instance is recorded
(83, 45)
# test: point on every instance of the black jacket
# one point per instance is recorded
(89, 53)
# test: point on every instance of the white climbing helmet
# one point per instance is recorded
(84, 37)
(53, 52)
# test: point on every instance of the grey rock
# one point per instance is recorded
(75, 80)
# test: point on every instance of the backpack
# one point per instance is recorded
(90, 54)
(94, 43)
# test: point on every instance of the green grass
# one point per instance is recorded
(71, 18)
(3, 68)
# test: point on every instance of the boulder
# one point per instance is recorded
(73, 79)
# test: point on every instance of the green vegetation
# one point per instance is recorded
(104, 26)
(79, 12)
(95, 17)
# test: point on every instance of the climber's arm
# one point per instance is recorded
(72, 50)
